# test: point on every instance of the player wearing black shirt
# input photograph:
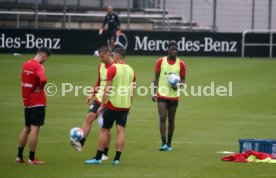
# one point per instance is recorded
(113, 22)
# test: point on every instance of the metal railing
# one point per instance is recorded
(68, 16)
(270, 44)
(222, 15)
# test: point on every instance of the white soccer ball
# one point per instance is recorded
(76, 134)
(173, 80)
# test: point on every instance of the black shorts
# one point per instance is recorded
(35, 116)
(170, 103)
(94, 107)
(110, 116)
(111, 34)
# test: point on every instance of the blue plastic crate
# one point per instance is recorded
(252, 144)
(270, 147)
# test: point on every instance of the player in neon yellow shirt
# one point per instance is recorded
(96, 93)
(167, 102)
(117, 103)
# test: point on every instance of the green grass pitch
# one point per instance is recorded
(204, 125)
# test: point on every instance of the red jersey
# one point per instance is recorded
(181, 74)
(33, 82)
(110, 75)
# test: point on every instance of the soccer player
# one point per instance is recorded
(117, 100)
(113, 22)
(97, 93)
(34, 98)
(167, 102)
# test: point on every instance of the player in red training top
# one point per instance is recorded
(33, 82)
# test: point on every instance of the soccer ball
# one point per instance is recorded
(173, 80)
(76, 134)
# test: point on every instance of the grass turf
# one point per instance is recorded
(204, 125)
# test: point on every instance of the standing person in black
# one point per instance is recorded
(113, 29)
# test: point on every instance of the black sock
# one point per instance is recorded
(105, 152)
(169, 140)
(99, 155)
(118, 155)
(20, 152)
(82, 141)
(163, 140)
(32, 155)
